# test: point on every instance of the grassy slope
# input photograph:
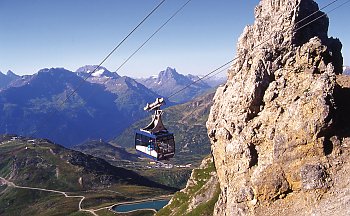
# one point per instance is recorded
(50, 166)
(101, 149)
(176, 177)
(200, 181)
(17, 201)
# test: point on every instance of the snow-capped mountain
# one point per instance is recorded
(101, 72)
(346, 70)
(129, 93)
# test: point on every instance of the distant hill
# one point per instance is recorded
(346, 70)
(169, 81)
(42, 164)
(187, 122)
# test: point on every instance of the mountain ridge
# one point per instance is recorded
(169, 81)
(102, 107)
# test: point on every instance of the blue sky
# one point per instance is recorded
(35, 34)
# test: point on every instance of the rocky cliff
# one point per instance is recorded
(278, 127)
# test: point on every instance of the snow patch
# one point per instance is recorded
(98, 73)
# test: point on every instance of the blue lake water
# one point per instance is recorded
(156, 204)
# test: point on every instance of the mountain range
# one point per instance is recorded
(104, 104)
(346, 70)
(37, 106)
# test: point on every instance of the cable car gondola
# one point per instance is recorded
(154, 141)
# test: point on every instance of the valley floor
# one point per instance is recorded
(105, 210)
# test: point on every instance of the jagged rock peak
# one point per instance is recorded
(276, 126)
(168, 73)
(280, 29)
(11, 74)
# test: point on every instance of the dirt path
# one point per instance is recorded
(11, 184)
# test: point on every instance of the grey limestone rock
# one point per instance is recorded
(271, 123)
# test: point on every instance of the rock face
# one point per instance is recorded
(277, 127)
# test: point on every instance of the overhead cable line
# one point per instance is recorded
(142, 45)
(149, 38)
(324, 14)
(110, 53)
(220, 69)
(202, 78)
(161, 27)
(105, 59)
